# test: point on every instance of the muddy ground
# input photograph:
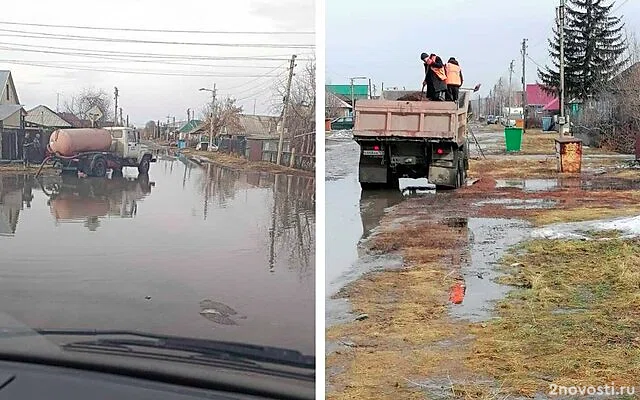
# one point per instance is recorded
(491, 298)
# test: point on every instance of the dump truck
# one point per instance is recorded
(413, 138)
(93, 151)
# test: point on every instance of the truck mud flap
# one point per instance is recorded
(442, 176)
(369, 174)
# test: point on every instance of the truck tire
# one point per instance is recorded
(143, 168)
(99, 169)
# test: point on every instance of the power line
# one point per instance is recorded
(146, 61)
(40, 35)
(156, 30)
(105, 53)
(249, 82)
(260, 88)
(181, 74)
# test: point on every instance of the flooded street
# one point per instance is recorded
(353, 216)
(197, 251)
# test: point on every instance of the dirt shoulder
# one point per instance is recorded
(239, 163)
(31, 169)
(570, 317)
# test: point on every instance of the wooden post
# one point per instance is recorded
(292, 159)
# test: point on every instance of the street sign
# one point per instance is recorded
(94, 113)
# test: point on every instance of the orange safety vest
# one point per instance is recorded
(453, 74)
(440, 73)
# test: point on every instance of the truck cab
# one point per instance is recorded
(126, 142)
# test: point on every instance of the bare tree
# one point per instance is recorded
(302, 103)
(226, 114)
(82, 102)
(333, 106)
(149, 130)
(613, 120)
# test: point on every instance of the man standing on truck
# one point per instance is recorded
(427, 75)
(435, 78)
(454, 79)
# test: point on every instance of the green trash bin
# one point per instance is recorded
(513, 138)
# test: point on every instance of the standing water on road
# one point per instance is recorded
(190, 251)
(353, 216)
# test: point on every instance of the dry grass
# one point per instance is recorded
(240, 163)
(534, 141)
(513, 168)
(12, 168)
(552, 216)
(574, 321)
(407, 312)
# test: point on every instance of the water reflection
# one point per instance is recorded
(158, 247)
(73, 199)
(15, 195)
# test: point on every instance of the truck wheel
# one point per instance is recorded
(99, 168)
(143, 168)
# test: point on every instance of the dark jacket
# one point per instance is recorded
(437, 84)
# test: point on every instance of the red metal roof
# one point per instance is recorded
(537, 96)
(554, 105)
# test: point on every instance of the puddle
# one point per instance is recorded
(591, 183)
(520, 204)
(628, 227)
(528, 185)
(338, 310)
(489, 238)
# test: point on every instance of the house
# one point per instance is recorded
(43, 116)
(11, 119)
(335, 107)
(73, 120)
(345, 92)
(538, 100)
(257, 125)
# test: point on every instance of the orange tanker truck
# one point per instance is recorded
(95, 150)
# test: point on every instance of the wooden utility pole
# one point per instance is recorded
(127, 120)
(285, 109)
(509, 91)
(115, 118)
(188, 115)
(213, 108)
(369, 88)
(524, 85)
(560, 20)
(167, 126)
(121, 121)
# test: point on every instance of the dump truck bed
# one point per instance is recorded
(401, 119)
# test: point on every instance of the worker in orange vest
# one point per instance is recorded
(454, 79)
(435, 78)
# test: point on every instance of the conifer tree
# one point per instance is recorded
(594, 49)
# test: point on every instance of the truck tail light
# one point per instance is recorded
(440, 151)
(376, 148)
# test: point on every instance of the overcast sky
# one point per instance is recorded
(383, 40)
(144, 96)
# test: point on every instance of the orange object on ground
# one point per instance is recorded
(456, 296)
(520, 123)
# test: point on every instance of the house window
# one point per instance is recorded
(7, 91)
